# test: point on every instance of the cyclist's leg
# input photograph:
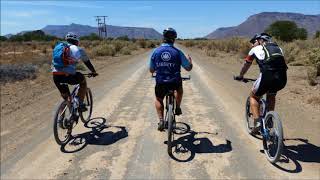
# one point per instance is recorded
(255, 95)
(160, 91)
(63, 88)
(271, 101)
(279, 82)
(81, 80)
(178, 95)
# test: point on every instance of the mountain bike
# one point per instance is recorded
(67, 114)
(270, 127)
(170, 119)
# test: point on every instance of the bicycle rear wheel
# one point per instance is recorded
(273, 143)
(88, 101)
(248, 117)
(61, 130)
(170, 120)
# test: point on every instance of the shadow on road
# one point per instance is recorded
(186, 146)
(100, 134)
(293, 154)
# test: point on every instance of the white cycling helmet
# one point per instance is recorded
(72, 36)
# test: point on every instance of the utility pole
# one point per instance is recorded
(102, 27)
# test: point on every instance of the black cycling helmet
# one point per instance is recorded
(263, 36)
(170, 33)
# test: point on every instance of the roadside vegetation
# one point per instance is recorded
(298, 50)
(28, 55)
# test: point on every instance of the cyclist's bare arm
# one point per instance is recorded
(245, 68)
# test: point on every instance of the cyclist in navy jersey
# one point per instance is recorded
(166, 61)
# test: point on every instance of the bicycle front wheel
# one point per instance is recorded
(88, 101)
(61, 130)
(273, 141)
(170, 120)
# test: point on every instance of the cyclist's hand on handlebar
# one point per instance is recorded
(238, 78)
(190, 59)
(94, 74)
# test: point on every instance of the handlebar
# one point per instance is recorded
(183, 78)
(245, 80)
(90, 75)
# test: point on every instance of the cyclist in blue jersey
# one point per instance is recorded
(67, 74)
(166, 61)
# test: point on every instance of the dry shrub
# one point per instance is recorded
(142, 43)
(125, 51)
(314, 59)
(189, 43)
(104, 50)
(12, 73)
(312, 76)
(211, 52)
(314, 100)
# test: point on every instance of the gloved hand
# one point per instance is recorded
(94, 74)
(238, 78)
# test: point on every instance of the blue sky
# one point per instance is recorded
(190, 18)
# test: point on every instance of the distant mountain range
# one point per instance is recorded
(112, 31)
(259, 22)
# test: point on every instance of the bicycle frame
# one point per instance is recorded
(170, 103)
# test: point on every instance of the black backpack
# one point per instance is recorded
(274, 58)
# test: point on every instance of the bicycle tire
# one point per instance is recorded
(248, 114)
(59, 124)
(278, 131)
(170, 130)
(89, 102)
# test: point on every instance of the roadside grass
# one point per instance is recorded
(297, 53)
(27, 60)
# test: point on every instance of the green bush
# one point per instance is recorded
(286, 31)
(317, 35)
(3, 38)
(37, 35)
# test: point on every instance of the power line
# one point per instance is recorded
(102, 27)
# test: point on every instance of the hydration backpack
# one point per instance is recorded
(274, 59)
(61, 55)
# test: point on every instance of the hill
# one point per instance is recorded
(259, 22)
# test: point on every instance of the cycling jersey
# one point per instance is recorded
(273, 76)
(268, 57)
(167, 60)
(76, 54)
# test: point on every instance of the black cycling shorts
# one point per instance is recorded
(61, 82)
(162, 89)
(270, 82)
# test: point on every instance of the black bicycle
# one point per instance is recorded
(67, 114)
(170, 119)
(271, 128)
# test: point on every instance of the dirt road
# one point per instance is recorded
(121, 141)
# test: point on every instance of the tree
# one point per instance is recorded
(3, 38)
(317, 35)
(301, 33)
(286, 31)
(37, 35)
